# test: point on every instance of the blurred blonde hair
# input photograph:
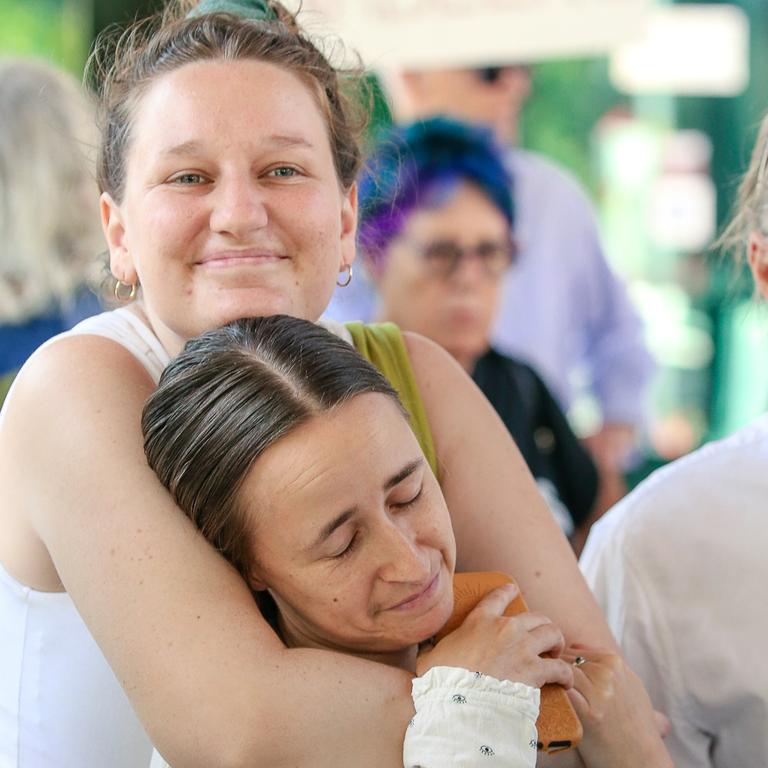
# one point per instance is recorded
(50, 232)
(751, 207)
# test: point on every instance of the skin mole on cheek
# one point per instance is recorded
(537, 574)
(335, 599)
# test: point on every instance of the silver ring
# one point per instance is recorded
(579, 660)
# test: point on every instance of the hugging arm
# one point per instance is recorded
(502, 523)
(209, 679)
(500, 519)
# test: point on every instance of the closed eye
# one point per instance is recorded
(410, 502)
(349, 549)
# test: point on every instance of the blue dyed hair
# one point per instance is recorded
(411, 163)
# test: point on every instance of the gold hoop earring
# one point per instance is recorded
(349, 278)
(120, 295)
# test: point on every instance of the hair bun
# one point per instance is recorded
(257, 10)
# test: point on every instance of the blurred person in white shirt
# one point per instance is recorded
(679, 565)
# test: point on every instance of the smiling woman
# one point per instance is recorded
(205, 201)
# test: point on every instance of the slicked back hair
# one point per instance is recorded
(229, 396)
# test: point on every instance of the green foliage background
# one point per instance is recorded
(59, 30)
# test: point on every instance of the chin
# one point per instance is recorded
(440, 615)
(257, 306)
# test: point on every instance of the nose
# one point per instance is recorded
(402, 557)
(238, 207)
(469, 270)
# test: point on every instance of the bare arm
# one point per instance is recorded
(501, 521)
(207, 676)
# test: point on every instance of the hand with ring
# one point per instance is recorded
(620, 726)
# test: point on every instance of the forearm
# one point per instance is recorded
(545, 568)
(325, 710)
(353, 713)
(500, 519)
(210, 681)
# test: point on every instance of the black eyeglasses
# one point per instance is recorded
(443, 257)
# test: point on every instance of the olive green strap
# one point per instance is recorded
(383, 345)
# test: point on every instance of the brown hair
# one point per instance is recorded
(231, 394)
(122, 67)
(751, 201)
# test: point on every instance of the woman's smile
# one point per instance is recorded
(241, 257)
(423, 598)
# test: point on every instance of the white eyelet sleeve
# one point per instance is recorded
(468, 720)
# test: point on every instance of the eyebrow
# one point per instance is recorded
(407, 470)
(337, 522)
(278, 141)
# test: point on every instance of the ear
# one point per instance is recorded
(256, 583)
(757, 255)
(120, 263)
(348, 227)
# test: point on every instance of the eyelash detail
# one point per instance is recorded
(350, 548)
(283, 172)
(347, 551)
(199, 179)
(410, 502)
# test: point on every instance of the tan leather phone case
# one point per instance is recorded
(558, 726)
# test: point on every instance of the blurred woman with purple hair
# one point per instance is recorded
(436, 229)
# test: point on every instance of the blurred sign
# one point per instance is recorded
(683, 204)
(425, 33)
(682, 213)
(687, 49)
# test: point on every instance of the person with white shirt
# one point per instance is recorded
(679, 565)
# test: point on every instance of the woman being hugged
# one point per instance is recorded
(227, 168)
(252, 429)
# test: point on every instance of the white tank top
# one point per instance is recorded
(60, 703)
